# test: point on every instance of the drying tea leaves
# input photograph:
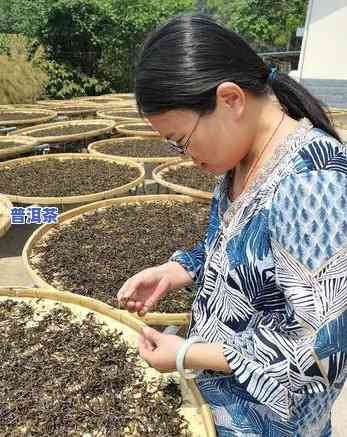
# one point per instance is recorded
(135, 127)
(96, 253)
(9, 116)
(138, 148)
(107, 101)
(65, 130)
(64, 177)
(191, 177)
(62, 375)
(127, 114)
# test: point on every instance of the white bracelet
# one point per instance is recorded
(181, 353)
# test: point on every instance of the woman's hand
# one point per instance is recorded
(159, 350)
(143, 290)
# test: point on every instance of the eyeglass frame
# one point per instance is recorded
(182, 148)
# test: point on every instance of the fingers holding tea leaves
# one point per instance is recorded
(159, 292)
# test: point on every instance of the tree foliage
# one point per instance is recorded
(264, 23)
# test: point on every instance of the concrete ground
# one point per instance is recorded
(13, 273)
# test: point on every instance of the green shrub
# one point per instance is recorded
(21, 78)
(66, 82)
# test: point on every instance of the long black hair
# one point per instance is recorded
(183, 62)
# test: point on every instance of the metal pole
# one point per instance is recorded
(305, 39)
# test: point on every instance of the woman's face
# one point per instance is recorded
(220, 140)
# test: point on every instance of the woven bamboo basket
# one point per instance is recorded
(5, 218)
(116, 114)
(109, 127)
(333, 111)
(102, 100)
(159, 176)
(73, 108)
(96, 148)
(148, 162)
(125, 96)
(194, 408)
(87, 198)
(153, 318)
(60, 103)
(41, 116)
(25, 144)
(134, 130)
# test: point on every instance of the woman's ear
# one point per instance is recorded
(230, 96)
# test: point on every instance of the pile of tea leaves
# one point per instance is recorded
(96, 253)
(138, 148)
(17, 116)
(126, 114)
(136, 127)
(63, 375)
(65, 130)
(191, 177)
(64, 177)
(67, 108)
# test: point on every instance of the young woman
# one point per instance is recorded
(268, 321)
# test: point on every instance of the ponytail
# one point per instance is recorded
(299, 103)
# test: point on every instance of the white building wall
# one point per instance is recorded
(324, 48)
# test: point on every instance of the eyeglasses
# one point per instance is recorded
(182, 148)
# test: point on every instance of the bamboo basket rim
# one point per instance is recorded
(27, 145)
(159, 172)
(118, 120)
(5, 218)
(122, 128)
(62, 103)
(125, 95)
(335, 111)
(120, 316)
(93, 149)
(43, 115)
(79, 109)
(337, 122)
(152, 318)
(102, 99)
(109, 126)
(49, 200)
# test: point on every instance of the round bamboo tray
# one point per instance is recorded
(5, 218)
(159, 176)
(96, 148)
(153, 318)
(102, 100)
(126, 129)
(87, 198)
(109, 127)
(148, 162)
(332, 110)
(73, 108)
(25, 144)
(61, 103)
(41, 116)
(125, 96)
(194, 408)
(115, 114)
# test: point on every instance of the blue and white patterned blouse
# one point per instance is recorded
(272, 287)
